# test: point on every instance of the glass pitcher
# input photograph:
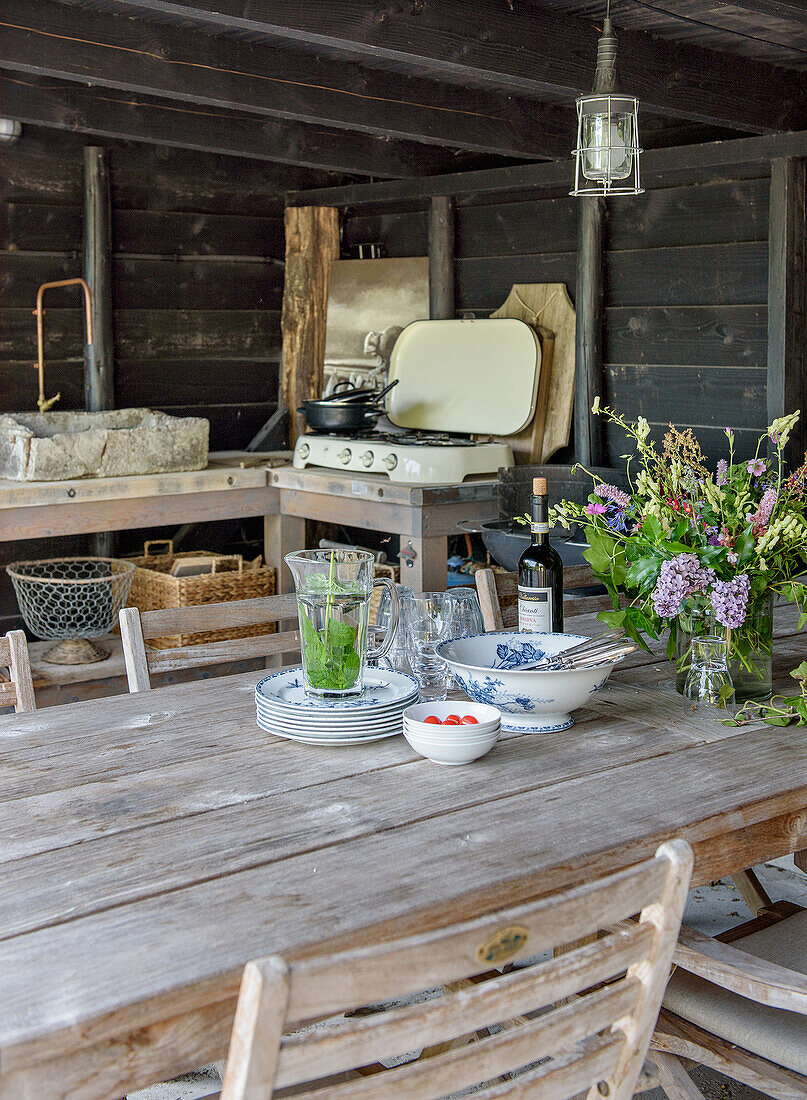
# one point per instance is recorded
(333, 590)
(708, 683)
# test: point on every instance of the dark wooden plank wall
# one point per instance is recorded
(685, 292)
(198, 284)
(198, 281)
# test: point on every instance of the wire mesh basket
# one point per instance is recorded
(74, 599)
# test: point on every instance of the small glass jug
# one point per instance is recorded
(333, 590)
(708, 683)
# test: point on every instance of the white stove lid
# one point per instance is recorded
(479, 377)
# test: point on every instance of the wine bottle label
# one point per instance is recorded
(535, 609)
(539, 528)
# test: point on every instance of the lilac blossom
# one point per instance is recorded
(756, 467)
(610, 492)
(678, 579)
(730, 599)
(762, 516)
(722, 472)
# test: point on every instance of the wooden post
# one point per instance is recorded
(99, 362)
(441, 257)
(312, 242)
(787, 298)
(588, 447)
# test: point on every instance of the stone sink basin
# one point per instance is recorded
(58, 446)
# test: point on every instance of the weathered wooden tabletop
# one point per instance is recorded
(151, 844)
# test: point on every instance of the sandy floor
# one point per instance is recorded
(711, 909)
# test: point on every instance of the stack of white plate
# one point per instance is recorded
(285, 710)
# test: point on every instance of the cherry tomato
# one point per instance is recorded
(455, 717)
(450, 721)
(468, 720)
(433, 719)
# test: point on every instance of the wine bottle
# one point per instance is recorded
(540, 572)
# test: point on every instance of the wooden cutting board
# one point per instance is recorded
(549, 305)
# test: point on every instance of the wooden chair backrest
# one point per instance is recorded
(596, 1042)
(137, 627)
(498, 596)
(18, 690)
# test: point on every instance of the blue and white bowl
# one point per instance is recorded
(484, 666)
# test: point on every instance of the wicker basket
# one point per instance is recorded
(153, 588)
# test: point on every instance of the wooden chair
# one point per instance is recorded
(741, 1010)
(136, 628)
(594, 1042)
(18, 690)
(498, 596)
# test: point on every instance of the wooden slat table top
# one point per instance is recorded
(151, 844)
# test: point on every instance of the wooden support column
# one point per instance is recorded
(787, 297)
(588, 447)
(312, 242)
(441, 257)
(99, 361)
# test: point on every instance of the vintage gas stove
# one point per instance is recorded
(455, 379)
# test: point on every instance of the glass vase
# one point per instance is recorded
(694, 621)
(750, 648)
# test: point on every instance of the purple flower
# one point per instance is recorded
(610, 492)
(730, 599)
(596, 509)
(762, 516)
(774, 437)
(756, 467)
(732, 557)
(678, 579)
(722, 471)
(729, 432)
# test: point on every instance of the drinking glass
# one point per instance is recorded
(396, 658)
(333, 589)
(708, 684)
(426, 623)
(466, 614)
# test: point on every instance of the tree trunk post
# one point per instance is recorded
(312, 243)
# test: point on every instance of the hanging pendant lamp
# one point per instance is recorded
(607, 153)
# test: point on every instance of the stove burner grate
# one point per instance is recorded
(401, 439)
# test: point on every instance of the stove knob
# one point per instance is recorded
(367, 458)
(391, 461)
(304, 450)
(344, 456)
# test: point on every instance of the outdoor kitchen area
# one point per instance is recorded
(403, 549)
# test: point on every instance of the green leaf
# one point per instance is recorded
(643, 573)
(613, 619)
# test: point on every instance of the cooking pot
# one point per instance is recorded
(333, 416)
(346, 410)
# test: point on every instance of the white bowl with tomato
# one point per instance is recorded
(452, 732)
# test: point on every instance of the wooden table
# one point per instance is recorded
(423, 516)
(153, 843)
(225, 490)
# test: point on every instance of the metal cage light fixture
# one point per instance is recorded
(607, 154)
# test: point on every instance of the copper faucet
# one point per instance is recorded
(39, 313)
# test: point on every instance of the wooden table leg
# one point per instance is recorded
(801, 860)
(281, 535)
(428, 571)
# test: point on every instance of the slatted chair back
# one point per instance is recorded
(137, 627)
(580, 1022)
(18, 690)
(498, 596)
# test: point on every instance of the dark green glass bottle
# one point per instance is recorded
(540, 572)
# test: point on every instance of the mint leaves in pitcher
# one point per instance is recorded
(333, 623)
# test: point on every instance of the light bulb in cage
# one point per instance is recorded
(607, 151)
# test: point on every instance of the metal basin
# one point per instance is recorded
(59, 446)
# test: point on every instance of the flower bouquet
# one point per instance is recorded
(697, 551)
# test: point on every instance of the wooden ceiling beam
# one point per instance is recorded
(525, 50)
(99, 48)
(677, 162)
(159, 122)
(794, 11)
